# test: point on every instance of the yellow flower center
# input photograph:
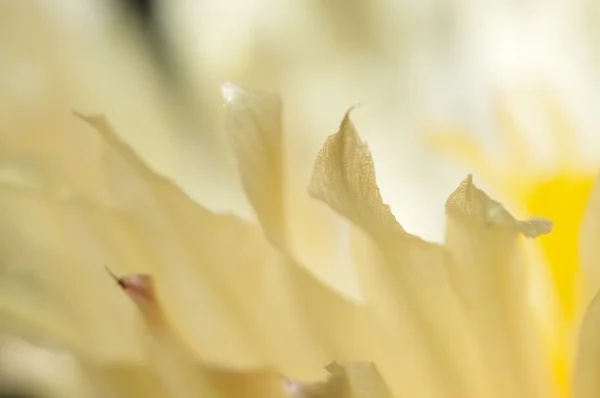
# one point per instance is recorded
(562, 199)
(560, 195)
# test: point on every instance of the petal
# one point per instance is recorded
(344, 178)
(587, 364)
(233, 307)
(489, 274)
(254, 126)
(589, 249)
(124, 380)
(43, 269)
(347, 379)
(225, 266)
(419, 322)
(178, 371)
(270, 178)
(39, 370)
(119, 212)
(253, 123)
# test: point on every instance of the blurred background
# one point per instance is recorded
(508, 90)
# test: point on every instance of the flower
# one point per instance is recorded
(560, 192)
(209, 304)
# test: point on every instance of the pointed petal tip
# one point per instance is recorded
(346, 118)
(471, 202)
(140, 287)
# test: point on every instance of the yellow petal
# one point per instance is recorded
(124, 380)
(41, 369)
(42, 270)
(253, 122)
(420, 325)
(248, 316)
(338, 327)
(589, 250)
(344, 178)
(346, 380)
(180, 374)
(183, 379)
(341, 328)
(362, 380)
(587, 364)
(258, 296)
(489, 275)
(270, 179)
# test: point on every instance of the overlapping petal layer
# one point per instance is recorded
(232, 309)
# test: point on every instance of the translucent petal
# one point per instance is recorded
(226, 264)
(346, 380)
(336, 326)
(589, 250)
(420, 324)
(489, 275)
(272, 182)
(175, 366)
(253, 122)
(587, 364)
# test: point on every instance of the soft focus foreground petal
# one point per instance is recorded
(589, 249)
(226, 263)
(338, 327)
(271, 179)
(124, 380)
(78, 200)
(489, 275)
(346, 380)
(49, 257)
(177, 369)
(41, 371)
(253, 123)
(178, 374)
(587, 364)
(424, 346)
(96, 204)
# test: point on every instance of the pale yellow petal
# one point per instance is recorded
(253, 123)
(464, 149)
(513, 133)
(112, 209)
(562, 128)
(489, 274)
(346, 380)
(420, 326)
(175, 366)
(587, 364)
(42, 271)
(589, 249)
(344, 178)
(225, 287)
(182, 379)
(128, 380)
(338, 327)
(124, 380)
(265, 299)
(272, 182)
(362, 380)
(41, 369)
(341, 328)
